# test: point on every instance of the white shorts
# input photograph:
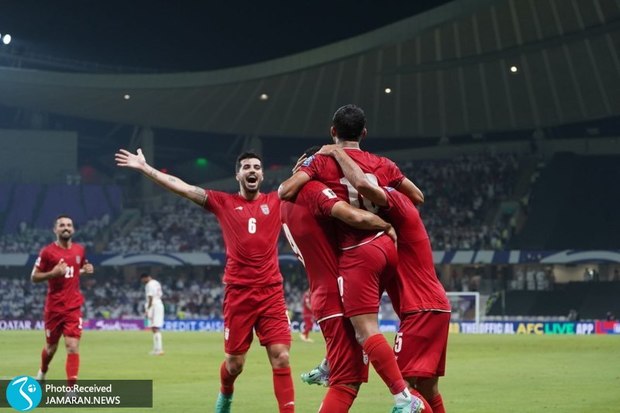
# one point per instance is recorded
(156, 315)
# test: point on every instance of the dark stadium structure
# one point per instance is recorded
(506, 113)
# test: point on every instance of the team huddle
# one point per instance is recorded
(351, 218)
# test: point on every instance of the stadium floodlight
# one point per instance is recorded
(6, 39)
(388, 90)
(514, 69)
(264, 96)
(127, 96)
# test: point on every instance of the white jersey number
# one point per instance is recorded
(291, 241)
(252, 225)
(69, 272)
(356, 199)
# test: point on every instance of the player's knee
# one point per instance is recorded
(280, 359)
(234, 366)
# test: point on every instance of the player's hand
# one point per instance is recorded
(328, 150)
(87, 268)
(126, 159)
(301, 160)
(392, 234)
(59, 269)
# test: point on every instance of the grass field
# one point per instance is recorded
(485, 373)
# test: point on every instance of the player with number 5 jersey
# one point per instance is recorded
(60, 264)
(368, 259)
(253, 293)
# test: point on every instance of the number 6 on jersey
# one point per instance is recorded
(252, 225)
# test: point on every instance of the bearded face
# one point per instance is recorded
(250, 175)
(64, 229)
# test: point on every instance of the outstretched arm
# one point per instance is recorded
(126, 159)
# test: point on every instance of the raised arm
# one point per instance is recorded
(126, 159)
(289, 188)
(355, 175)
(412, 192)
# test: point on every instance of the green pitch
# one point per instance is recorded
(485, 373)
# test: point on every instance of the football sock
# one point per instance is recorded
(382, 358)
(284, 390)
(227, 380)
(437, 404)
(157, 342)
(45, 360)
(338, 399)
(72, 366)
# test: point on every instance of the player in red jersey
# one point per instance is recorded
(61, 264)
(306, 313)
(368, 259)
(417, 295)
(254, 295)
(311, 234)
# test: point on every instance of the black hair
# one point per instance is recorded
(144, 275)
(349, 121)
(61, 216)
(247, 155)
(312, 150)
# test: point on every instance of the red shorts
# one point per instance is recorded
(421, 343)
(254, 308)
(67, 323)
(347, 362)
(364, 272)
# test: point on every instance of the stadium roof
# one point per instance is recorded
(469, 66)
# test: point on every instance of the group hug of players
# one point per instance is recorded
(351, 218)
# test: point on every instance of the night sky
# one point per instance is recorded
(191, 35)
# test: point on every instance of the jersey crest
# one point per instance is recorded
(265, 209)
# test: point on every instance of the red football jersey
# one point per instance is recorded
(63, 293)
(378, 169)
(416, 288)
(312, 237)
(250, 230)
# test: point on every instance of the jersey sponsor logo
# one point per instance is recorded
(265, 209)
(365, 358)
(239, 208)
(78, 259)
(329, 193)
(226, 333)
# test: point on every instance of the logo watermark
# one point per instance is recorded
(23, 393)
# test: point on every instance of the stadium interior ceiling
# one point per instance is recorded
(457, 72)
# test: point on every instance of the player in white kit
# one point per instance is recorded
(154, 309)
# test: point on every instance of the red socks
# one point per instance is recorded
(227, 380)
(72, 366)
(338, 399)
(283, 389)
(45, 360)
(437, 404)
(382, 358)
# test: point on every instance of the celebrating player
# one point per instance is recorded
(416, 293)
(60, 264)
(312, 237)
(368, 259)
(254, 294)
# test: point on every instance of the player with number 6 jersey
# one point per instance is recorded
(253, 293)
(60, 264)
